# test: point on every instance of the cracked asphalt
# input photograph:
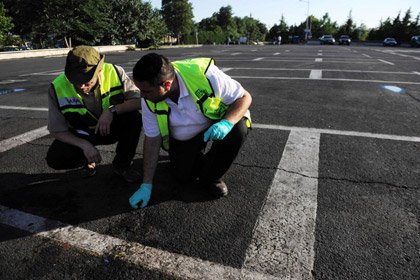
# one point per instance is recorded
(368, 184)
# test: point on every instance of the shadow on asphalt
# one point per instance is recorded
(68, 198)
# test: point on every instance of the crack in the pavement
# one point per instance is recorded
(405, 187)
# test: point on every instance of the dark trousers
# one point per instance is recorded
(125, 129)
(189, 161)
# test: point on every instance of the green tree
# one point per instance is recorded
(348, 27)
(328, 26)
(5, 24)
(178, 16)
(277, 30)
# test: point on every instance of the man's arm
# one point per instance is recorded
(150, 159)
(238, 108)
(151, 148)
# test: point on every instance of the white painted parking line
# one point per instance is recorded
(6, 82)
(287, 50)
(23, 108)
(175, 265)
(226, 69)
(284, 237)
(327, 79)
(315, 74)
(387, 62)
(258, 59)
(343, 61)
(320, 54)
(318, 59)
(45, 73)
(24, 138)
(327, 70)
(368, 56)
(339, 132)
(277, 53)
(235, 53)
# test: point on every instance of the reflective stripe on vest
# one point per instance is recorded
(71, 104)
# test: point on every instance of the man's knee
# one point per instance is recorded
(64, 156)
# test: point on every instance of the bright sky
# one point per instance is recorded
(269, 12)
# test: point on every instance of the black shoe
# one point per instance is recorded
(218, 188)
(128, 174)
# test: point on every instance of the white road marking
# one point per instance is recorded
(258, 59)
(327, 79)
(366, 55)
(6, 82)
(328, 70)
(384, 61)
(23, 108)
(320, 54)
(236, 53)
(287, 50)
(175, 265)
(24, 138)
(226, 69)
(277, 53)
(284, 236)
(349, 61)
(315, 74)
(318, 59)
(45, 73)
(340, 132)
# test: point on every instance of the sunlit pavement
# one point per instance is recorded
(326, 186)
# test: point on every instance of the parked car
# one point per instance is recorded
(294, 39)
(327, 39)
(344, 40)
(390, 42)
(9, 48)
(415, 41)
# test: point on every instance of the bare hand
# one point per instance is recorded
(104, 123)
(92, 154)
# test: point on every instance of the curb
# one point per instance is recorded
(64, 51)
(58, 52)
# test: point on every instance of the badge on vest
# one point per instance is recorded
(68, 101)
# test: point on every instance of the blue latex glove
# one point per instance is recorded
(142, 194)
(218, 131)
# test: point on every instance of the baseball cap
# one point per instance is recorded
(82, 64)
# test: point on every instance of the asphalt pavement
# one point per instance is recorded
(327, 185)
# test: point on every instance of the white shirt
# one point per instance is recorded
(185, 119)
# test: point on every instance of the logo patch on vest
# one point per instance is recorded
(69, 101)
(200, 93)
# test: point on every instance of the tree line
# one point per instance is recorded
(55, 23)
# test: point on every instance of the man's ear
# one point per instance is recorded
(167, 85)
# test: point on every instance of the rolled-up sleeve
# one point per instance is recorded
(130, 89)
(56, 120)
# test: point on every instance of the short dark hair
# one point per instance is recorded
(153, 68)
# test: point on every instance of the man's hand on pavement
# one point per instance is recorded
(141, 195)
(92, 154)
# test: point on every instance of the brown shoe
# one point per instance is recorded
(128, 174)
(218, 188)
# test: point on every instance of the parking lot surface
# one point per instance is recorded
(327, 185)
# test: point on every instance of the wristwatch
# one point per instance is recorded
(113, 110)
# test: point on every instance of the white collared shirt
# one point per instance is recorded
(185, 119)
